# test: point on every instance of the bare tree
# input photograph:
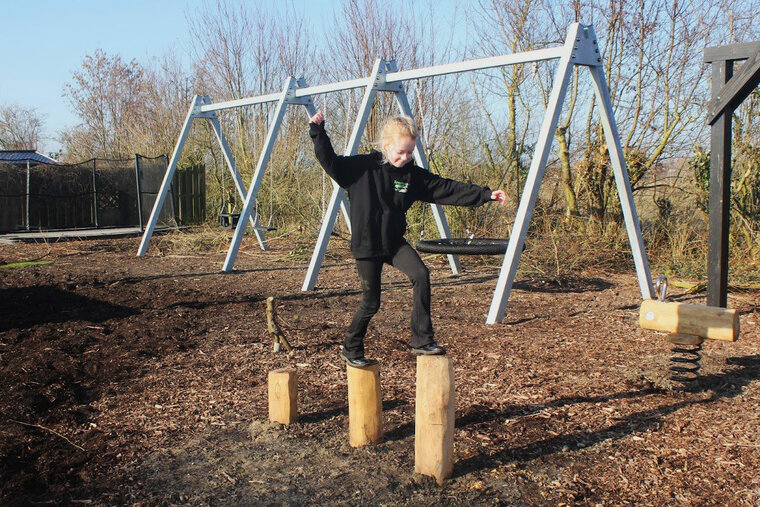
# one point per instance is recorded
(20, 128)
(509, 27)
(365, 31)
(248, 49)
(109, 96)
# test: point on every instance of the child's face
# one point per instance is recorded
(400, 151)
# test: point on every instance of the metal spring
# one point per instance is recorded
(684, 363)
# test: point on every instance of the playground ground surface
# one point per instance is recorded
(128, 380)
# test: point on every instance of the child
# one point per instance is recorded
(382, 186)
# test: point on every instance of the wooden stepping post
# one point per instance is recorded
(365, 406)
(283, 396)
(434, 417)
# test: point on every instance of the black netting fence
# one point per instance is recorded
(97, 193)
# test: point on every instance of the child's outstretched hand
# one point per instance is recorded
(500, 196)
(318, 119)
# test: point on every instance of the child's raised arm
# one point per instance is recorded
(318, 118)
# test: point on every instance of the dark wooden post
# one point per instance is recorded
(720, 191)
(138, 188)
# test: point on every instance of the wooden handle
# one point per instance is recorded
(710, 322)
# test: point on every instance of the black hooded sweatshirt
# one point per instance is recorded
(380, 194)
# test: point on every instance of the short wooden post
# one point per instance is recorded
(365, 406)
(434, 417)
(283, 396)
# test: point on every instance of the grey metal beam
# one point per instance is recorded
(246, 101)
(623, 183)
(399, 76)
(477, 64)
(230, 162)
(258, 175)
(166, 183)
(508, 271)
(338, 194)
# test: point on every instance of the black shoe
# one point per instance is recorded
(357, 362)
(431, 349)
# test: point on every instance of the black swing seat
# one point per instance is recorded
(464, 246)
(228, 220)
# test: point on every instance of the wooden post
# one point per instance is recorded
(720, 192)
(283, 396)
(706, 321)
(365, 406)
(434, 417)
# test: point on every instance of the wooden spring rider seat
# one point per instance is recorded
(687, 324)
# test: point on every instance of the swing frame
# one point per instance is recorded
(580, 48)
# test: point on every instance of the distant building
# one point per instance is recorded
(21, 157)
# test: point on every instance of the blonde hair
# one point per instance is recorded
(393, 128)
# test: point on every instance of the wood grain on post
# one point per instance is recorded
(365, 406)
(283, 396)
(706, 321)
(434, 417)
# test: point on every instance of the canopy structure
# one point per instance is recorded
(580, 48)
(729, 90)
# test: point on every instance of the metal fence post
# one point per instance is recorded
(139, 191)
(95, 191)
(28, 195)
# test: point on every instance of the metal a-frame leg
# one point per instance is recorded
(532, 183)
(623, 183)
(258, 175)
(338, 195)
(421, 158)
(230, 161)
(192, 113)
(580, 49)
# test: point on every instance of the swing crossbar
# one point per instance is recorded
(398, 77)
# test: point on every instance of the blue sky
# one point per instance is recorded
(44, 42)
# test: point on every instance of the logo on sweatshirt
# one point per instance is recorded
(400, 186)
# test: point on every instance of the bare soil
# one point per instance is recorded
(128, 380)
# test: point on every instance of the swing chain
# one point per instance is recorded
(661, 287)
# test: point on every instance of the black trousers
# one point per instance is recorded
(408, 262)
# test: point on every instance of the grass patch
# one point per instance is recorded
(27, 264)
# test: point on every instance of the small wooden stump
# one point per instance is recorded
(434, 417)
(365, 406)
(283, 396)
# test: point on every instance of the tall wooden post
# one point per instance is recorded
(434, 417)
(365, 406)
(720, 192)
(283, 396)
